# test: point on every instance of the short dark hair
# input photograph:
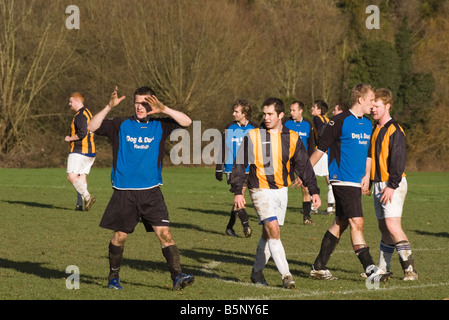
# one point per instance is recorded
(144, 91)
(246, 107)
(342, 106)
(278, 104)
(322, 105)
(300, 104)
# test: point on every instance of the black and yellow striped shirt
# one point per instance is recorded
(387, 151)
(271, 158)
(86, 143)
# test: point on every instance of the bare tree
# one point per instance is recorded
(188, 50)
(30, 57)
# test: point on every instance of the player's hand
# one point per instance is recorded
(365, 186)
(115, 100)
(387, 195)
(219, 175)
(156, 105)
(297, 183)
(239, 201)
(316, 201)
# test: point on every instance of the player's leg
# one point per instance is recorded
(116, 248)
(306, 206)
(328, 245)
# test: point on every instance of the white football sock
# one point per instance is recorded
(386, 252)
(262, 255)
(82, 189)
(278, 254)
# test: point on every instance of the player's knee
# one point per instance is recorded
(165, 237)
(119, 238)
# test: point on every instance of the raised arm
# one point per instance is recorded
(96, 120)
(158, 107)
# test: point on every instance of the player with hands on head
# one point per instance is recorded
(138, 144)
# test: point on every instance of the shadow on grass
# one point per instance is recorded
(38, 269)
(216, 212)
(434, 234)
(36, 204)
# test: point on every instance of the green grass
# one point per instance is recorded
(42, 234)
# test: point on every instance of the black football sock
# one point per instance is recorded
(362, 252)
(328, 245)
(79, 199)
(171, 254)
(115, 260)
(405, 255)
(243, 216)
(306, 207)
(231, 219)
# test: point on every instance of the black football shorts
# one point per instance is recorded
(127, 207)
(348, 201)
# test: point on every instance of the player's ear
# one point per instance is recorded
(281, 115)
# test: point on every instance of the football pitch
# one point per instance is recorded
(45, 243)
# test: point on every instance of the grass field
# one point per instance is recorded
(42, 235)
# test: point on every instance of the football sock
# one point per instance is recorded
(262, 255)
(231, 219)
(386, 252)
(362, 252)
(328, 245)
(115, 260)
(79, 199)
(306, 207)
(243, 216)
(278, 253)
(171, 254)
(405, 255)
(81, 188)
(330, 196)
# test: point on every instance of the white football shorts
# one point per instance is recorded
(79, 164)
(321, 167)
(270, 203)
(392, 209)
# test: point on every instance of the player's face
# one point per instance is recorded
(380, 110)
(367, 102)
(271, 119)
(296, 112)
(238, 115)
(74, 103)
(336, 110)
(315, 110)
(141, 112)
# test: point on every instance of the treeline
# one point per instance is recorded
(200, 55)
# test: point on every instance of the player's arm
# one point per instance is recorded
(72, 138)
(221, 158)
(366, 186)
(80, 129)
(397, 159)
(96, 120)
(158, 107)
(397, 166)
(238, 174)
